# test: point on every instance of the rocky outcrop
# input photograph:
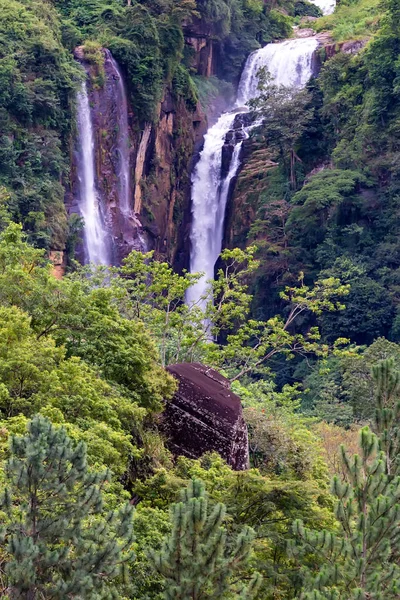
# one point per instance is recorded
(140, 166)
(198, 38)
(165, 185)
(328, 47)
(251, 184)
(57, 258)
(205, 416)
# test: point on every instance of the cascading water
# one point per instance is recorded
(123, 143)
(327, 6)
(97, 240)
(209, 197)
(290, 64)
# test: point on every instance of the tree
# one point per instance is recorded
(387, 412)
(267, 504)
(81, 314)
(358, 382)
(357, 559)
(250, 348)
(58, 544)
(286, 113)
(194, 559)
(156, 295)
(333, 437)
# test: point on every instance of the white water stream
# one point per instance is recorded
(290, 64)
(327, 6)
(123, 174)
(97, 242)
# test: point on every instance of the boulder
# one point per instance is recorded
(205, 416)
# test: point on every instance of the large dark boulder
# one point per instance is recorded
(205, 416)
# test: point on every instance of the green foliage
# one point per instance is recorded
(268, 505)
(194, 559)
(59, 543)
(93, 54)
(285, 117)
(323, 199)
(280, 439)
(36, 376)
(210, 89)
(37, 79)
(344, 207)
(357, 559)
(243, 346)
(303, 8)
(352, 20)
(68, 352)
(387, 379)
(80, 314)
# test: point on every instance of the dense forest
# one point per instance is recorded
(302, 321)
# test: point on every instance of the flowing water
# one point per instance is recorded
(290, 64)
(123, 144)
(327, 6)
(97, 240)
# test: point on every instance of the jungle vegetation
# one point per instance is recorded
(305, 325)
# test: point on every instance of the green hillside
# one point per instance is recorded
(303, 321)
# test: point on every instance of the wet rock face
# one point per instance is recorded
(173, 149)
(106, 105)
(233, 137)
(161, 157)
(205, 416)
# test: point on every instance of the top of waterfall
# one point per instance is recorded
(327, 6)
(290, 63)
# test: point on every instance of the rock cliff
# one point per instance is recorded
(163, 192)
(205, 416)
(198, 39)
(159, 159)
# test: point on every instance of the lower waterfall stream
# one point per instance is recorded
(96, 238)
(124, 178)
(290, 63)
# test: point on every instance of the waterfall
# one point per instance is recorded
(97, 239)
(123, 143)
(209, 196)
(290, 64)
(327, 6)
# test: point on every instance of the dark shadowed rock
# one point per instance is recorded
(205, 416)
